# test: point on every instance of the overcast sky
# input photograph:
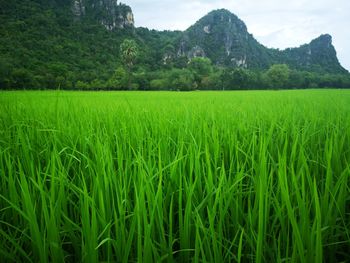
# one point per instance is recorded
(275, 23)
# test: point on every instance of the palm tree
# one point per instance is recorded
(129, 52)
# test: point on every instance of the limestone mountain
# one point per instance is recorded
(224, 38)
(319, 55)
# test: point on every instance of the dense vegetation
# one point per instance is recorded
(44, 46)
(256, 176)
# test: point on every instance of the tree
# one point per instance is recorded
(5, 73)
(201, 68)
(159, 84)
(119, 80)
(182, 79)
(22, 78)
(278, 76)
(296, 79)
(141, 78)
(81, 85)
(212, 82)
(226, 78)
(129, 53)
(240, 79)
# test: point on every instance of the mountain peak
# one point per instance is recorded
(109, 13)
(221, 11)
(219, 35)
(222, 17)
(324, 40)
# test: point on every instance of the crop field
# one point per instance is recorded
(253, 176)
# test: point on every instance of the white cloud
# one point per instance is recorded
(274, 23)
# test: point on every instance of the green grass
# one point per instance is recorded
(258, 176)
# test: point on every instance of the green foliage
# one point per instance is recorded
(277, 76)
(22, 78)
(5, 73)
(141, 79)
(98, 84)
(159, 84)
(212, 82)
(119, 79)
(129, 52)
(239, 79)
(82, 85)
(174, 79)
(201, 68)
(182, 79)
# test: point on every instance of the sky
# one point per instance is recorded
(274, 23)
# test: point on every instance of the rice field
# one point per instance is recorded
(253, 176)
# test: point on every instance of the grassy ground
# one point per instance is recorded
(189, 177)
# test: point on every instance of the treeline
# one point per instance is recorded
(198, 74)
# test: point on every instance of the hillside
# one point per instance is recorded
(72, 43)
(58, 43)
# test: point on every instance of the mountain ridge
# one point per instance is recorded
(74, 43)
(241, 49)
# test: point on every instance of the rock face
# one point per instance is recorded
(224, 38)
(318, 55)
(108, 12)
(78, 8)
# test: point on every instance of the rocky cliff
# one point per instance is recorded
(109, 13)
(317, 55)
(221, 36)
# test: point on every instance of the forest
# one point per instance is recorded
(44, 46)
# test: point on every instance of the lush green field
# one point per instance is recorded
(203, 176)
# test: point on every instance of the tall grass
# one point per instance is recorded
(175, 177)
